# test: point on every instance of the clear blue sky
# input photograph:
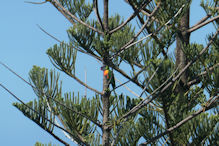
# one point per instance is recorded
(23, 45)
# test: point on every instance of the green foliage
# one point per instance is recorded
(93, 42)
(206, 130)
(42, 117)
(83, 37)
(40, 144)
(210, 6)
(81, 115)
(81, 8)
(63, 57)
(77, 124)
(149, 118)
(127, 134)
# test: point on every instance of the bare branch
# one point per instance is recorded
(36, 2)
(202, 20)
(130, 18)
(48, 33)
(66, 13)
(85, 79)
(133, 79)
(82, 83)
(197, 26)
(96, 10)
(169, 130)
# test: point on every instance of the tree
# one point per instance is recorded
(181, 91)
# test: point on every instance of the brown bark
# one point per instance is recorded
(106, 93)
(182, 39)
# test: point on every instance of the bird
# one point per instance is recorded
(109, 76)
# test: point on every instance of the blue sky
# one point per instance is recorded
(23, 45)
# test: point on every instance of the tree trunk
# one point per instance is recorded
(182, 39)
(106, 95)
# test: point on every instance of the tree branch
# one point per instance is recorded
(82, 83)
(168, 82)
(127, 76)
(130, 18)
(133, 78)
(198, 78)
(36, 2)
(73, 76)
(202, 20)
(60, 119)
(197, 26)
(58, 138)
(56, 101)
(150, 32)
(40, 115)
(80, 50)
(169, 130)
(96, 10)
(144, 102)
(66, 13)
(127, 88)
(43, 30)
(130, 43)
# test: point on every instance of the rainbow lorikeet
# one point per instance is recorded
(109, 75)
